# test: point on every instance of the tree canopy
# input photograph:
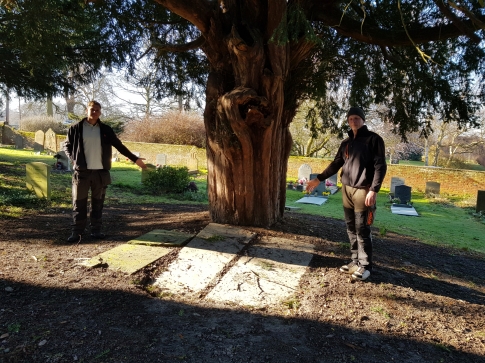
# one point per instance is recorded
(415, 57)
(259, 59)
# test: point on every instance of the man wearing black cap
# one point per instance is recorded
(362, 159)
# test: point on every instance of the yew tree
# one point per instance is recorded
(260, 59)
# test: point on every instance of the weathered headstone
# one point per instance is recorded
(39, 141)
(145, 172)
(161, 160)
(432, 187)
(192, 162)
(394, 161)
(115, 157)
(64, 160)
(403, 193)
(480, 201)
(50, 142)
(38, 179)
(19, 142)
(396, 181)
(304, 171)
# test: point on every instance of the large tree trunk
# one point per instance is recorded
(248, 138)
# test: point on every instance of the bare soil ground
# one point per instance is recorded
(421, 304)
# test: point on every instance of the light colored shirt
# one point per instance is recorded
(92, 146)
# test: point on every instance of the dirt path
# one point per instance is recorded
(422, 303)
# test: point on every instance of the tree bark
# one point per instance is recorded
(248, 138)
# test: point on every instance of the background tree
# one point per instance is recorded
(262, 58)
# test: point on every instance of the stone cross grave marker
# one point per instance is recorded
(403, 192)
(19, 142)
(480, 201)
(38, 179)
(50, 142)
(432, 187)
(396, 181)
(161, 160)
(39, 141)
(304, 171)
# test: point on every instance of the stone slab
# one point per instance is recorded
(38, 179)
(162, 237)
(202, 259)
(267, 275)
(405, 211)
(312, 200)
(128, 258)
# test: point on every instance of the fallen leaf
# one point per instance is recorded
(6, 335)
(41, 343)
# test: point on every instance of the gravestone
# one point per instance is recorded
(50, 142)
(320, 188)
(38, 179)
(480, 201)
(304, 171)
(115, 157)
(161, 160)
(403, 193)
(192, 162)
(39, 141)
(332, 180)
(64, 160)
(432, 188)
(396, 181)
(19, 142)
(145, 172)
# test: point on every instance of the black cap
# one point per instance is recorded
(356, 111)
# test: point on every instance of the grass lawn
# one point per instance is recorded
(441, 221)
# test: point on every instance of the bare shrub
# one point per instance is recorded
(44, 123)
(174, 127)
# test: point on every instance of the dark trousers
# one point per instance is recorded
(82, 182)
(358, 227)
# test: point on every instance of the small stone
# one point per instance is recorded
(42, 342)
(9, 289)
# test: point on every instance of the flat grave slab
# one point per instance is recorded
(202, 259)
(404, 210)
(312, 200)
(162, 237)
(128, 258)
(267, 275)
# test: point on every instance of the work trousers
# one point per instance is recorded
(358, 218)
(82, 182)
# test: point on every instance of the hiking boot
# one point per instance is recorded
(98, 235)
(361, 274)
(74, 237)
(349, 268)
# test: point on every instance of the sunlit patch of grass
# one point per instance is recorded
(380, 310)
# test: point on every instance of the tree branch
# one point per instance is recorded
(163, 47)
(456, 21)
(198, 12)
(332, 16)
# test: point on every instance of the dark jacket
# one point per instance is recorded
(363, 161)
(74, 146)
